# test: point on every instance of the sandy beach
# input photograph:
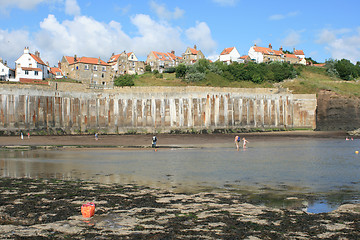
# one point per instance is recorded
(164, 140)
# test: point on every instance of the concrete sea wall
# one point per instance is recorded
(151, 109)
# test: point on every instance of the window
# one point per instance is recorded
(26, 72)
(36, 73)
(102, 75)
(95, 68)
(104, 69)
(86, 67)
(77, 67)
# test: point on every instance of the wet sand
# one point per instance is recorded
(164, 140)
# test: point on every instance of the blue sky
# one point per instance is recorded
(93, 28)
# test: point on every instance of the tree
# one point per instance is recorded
(124, 80)
(346, 70)
(147, 68)
(180, 71)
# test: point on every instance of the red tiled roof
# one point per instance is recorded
(37, 59)
(162, 56)
(267, 51)
(86, 60)
(129, 54)
(226, 51)
(54, 70)
(244, 57)
(193, 51)
(114, 58)
(299, 52)
(290, 56)
(173, 56)
(31, 69)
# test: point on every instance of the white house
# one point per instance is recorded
(230, 55)
(30, 67)
(6, 73)
(299, 53)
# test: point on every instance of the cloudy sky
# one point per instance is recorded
(324, 29)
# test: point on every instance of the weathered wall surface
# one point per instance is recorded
(150, 109)
(336, 112)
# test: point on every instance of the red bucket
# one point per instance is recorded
(88, 210)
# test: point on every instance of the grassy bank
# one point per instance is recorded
(310, 80)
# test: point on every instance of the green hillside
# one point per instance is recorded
(309, 79)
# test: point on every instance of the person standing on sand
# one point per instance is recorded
(237, 142)
(244, 142)
(96, 136)
(154, 140)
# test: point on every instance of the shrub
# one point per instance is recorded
(124, 80)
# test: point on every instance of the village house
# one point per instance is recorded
(192, 55)
(92, 71)
(161, 61)
(291, 58)
(263, 54)
(6, 73)
(229, 55)
(30, 68)
(56, 72)
(126, 63)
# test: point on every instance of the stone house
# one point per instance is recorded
(6, 73)
(126, 63)
(291, 58)
(29, 67)
(229, 55)
(192, 55)
(92, 71)
(161, 61)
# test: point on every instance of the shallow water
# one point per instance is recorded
(328, 168)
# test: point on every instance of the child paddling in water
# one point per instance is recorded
(244, 142)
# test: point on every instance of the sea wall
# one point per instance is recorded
(337, 112)
(151, 109)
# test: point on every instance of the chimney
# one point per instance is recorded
(26, 50)
(113, 54)
(195, 47)
(254, 44)
(281, 49)
(37, 53)
(294, 50)
(270, 46)
(59, 64)
(5, 63)
(75, 59)
(99, 61)
(173, 52)
(1, 61)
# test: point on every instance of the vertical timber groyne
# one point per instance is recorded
(152, 109)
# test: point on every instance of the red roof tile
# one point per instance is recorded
(290, 56)
(226, 51)
(299, 52)
(268, 51)
(86, 60)
(114, 58)
(37, 59)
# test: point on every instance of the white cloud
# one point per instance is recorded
(226, 2)
(163, 13)
(292, 39)
(6, 5)
(155, 36)
(14, 40)
(72, 7)
(341, 43)
(277, 17)
(201, 35)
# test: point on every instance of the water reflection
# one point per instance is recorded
(279, 166)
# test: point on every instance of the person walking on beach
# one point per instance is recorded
(154, 140)
(237, 142)
(244, 142)
(96, 136)
(21, 135)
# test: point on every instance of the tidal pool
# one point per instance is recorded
(326, 168)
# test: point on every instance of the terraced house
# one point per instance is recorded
(126, 63)
(92, 71)
(161, 61)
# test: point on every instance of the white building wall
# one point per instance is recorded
(257, 56)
